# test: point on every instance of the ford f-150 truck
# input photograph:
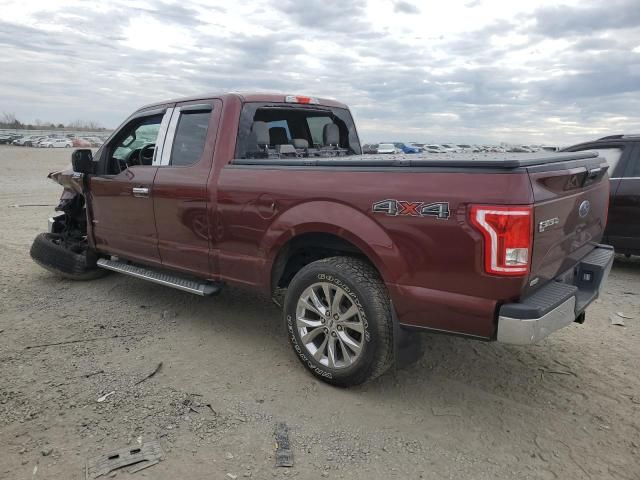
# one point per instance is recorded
(271, 192)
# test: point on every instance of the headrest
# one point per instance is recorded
(278, 136)
(331, 134)
(300, 143)
(260, 132)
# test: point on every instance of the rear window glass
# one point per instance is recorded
(611, 155)
(316, 127)
(279, 130)
(191, 134)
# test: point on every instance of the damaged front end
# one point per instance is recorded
(65, 249)
(70, 226)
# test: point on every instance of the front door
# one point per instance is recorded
(121, 192)
(181, 195)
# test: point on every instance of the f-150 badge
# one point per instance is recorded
(393, 208)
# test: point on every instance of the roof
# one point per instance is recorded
(632, 136)
(245, 97)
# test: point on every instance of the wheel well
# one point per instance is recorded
(307, 248)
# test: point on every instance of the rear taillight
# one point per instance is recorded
(507, 233)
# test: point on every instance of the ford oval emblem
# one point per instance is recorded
(583, 209)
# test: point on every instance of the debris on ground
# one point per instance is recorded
(145, 456)
(616, 320)
(157, 369)
(446, 411)
(105, 396)
(284, 455)
(624, 315)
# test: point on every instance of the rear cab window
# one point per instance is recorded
(280, 130)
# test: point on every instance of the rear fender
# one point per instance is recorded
(340, 220)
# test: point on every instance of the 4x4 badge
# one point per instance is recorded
(439, 210)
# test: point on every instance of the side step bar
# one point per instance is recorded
(170, 280)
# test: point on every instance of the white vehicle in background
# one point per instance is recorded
(388, 148)
(56, 143)
(449, 148)
(433, 148)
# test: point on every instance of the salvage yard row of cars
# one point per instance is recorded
(413, 147)
(51, 141)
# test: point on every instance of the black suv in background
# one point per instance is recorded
(622, 153)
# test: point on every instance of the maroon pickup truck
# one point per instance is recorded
(271, 192)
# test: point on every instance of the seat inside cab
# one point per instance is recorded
(277, 132)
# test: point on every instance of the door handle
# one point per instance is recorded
(140, 192)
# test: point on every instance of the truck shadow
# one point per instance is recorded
(630, 264)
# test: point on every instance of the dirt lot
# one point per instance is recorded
(567, 408)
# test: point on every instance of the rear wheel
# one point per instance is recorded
(338, 319)
(52, 253)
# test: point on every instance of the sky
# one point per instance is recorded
(481, 71)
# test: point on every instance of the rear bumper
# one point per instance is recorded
(557, 304)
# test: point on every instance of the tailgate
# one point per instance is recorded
(570, 213)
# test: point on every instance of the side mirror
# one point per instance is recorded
(82, 161)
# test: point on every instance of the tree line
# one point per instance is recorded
(9, 120)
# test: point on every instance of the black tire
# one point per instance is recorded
(367, 291)
(50, 254)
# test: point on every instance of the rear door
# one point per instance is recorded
(624, 213)
(617, 156)
(570, 210)
(180, 188)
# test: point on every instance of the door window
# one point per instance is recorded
(191, 134)
(135, 144)
(633, 164)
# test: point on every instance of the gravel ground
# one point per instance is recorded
(567, 408)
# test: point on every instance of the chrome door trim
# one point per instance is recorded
(170, 136)
(162, 133)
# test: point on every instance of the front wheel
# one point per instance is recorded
(338, 319)
(51, 252)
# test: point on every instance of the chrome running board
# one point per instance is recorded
(169, 279)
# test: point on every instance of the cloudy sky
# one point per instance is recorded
(469, 70)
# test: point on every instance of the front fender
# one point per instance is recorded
(342, 221)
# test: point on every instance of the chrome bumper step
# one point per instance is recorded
(197, 287)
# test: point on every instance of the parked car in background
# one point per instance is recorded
(370, 148)
(404, 148)
(6, 139)
(22, 140)
(519, 149)
(33, 141)
(449, 148)
(433, 148)
(385, 148)
(622, 153)
(40, 142)
(95, 141)
(80, 142)
(56, 143)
